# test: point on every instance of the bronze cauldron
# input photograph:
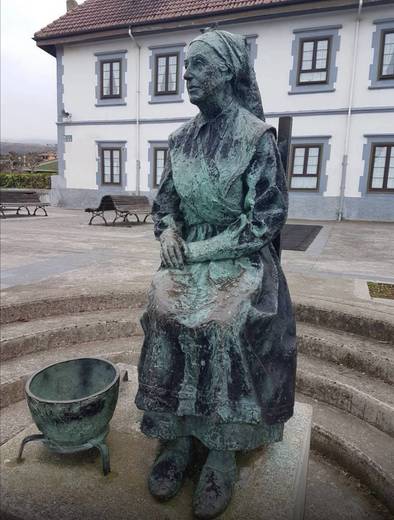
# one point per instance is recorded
(72, 403)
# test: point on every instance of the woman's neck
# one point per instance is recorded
(215, 104)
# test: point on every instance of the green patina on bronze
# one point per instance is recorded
(219, 357)
(72, 403)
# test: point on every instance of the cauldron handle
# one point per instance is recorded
(29, 438)
(104, 452)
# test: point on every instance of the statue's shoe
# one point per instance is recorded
(215, 486)
(168, 472)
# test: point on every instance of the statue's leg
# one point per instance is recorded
(215, 486)
(169, 469)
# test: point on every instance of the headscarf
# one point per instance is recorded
(233, 50)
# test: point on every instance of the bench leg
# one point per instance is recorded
(26, 208)
(147, 216)
(97, 214)
(117, 216)
(43, 209)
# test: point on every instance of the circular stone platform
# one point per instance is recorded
(271, 481)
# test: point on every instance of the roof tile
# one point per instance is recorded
(106, 14)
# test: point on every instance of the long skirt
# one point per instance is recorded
(219, 356)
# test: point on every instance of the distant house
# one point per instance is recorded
(48, 156)
(329, 64)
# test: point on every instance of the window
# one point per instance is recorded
(386, 62)
(166, 78)
(166, 64)
(381, 173)
(111, 86)
(111, 165)
(306, 167)
(314, 57)
(381, 70)
(314, 52)
(160, 157)
(111, 72)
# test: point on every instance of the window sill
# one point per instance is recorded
(312, 90)
(302, 192)
(379, 193)
(164, 101)
(111, 103)
(383, 85)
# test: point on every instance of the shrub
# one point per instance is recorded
(26, 180)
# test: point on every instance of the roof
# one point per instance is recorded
(96, 15)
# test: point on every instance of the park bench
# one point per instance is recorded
(17, 200)
(123, 206)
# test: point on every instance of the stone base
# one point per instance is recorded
(271, 483)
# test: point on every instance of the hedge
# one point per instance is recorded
(40, 181)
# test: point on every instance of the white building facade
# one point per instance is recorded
(330, 67)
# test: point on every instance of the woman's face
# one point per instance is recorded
(206, 73)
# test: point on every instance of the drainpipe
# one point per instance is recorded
(345, 160)
(138, 126)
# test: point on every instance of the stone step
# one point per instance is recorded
(45, 308)
(358, 447)
(333, 493)
(21, 338)
(15, 372)
(364, 397)
(362, 320)
(373, 357)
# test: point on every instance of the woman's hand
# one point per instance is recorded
(172, 249)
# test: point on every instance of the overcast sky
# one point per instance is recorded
(28, 74)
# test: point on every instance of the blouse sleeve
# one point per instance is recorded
(165, 209)
(265, 210)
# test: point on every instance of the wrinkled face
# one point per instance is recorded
(206, 74)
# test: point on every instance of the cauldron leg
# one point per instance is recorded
(29, 438)
(104, 452)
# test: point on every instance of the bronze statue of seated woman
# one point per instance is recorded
(219, 357)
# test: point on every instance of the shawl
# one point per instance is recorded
(233, 50)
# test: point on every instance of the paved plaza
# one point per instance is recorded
(61, 255)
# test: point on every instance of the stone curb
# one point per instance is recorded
(355, 462)
(64, 336)
(369, 362)
(336, 315)
(362, 322)
(347, 398)
(39, 309)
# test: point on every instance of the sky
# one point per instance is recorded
(28, 74)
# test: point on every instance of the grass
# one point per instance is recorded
(381, 290)
(50, 166)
